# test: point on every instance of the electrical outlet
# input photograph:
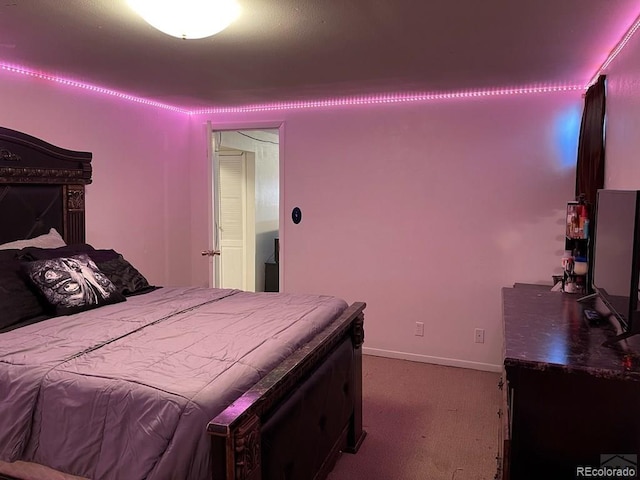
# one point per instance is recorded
(419, 329)
(479, 335)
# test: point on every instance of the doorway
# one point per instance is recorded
(246, 206)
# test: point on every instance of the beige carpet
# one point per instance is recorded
(425, 422)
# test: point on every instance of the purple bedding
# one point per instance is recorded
(130, 387)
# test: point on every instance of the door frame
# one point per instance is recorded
(255, 125)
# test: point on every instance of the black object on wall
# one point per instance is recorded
(590, 165)
(296, 215)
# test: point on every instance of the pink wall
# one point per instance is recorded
(139, 195)
(424, 211)
(622, 156)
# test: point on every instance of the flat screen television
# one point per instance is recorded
(616, 257)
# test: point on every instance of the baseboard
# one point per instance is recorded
(449, 362)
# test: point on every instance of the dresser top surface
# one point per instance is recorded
(544, 329)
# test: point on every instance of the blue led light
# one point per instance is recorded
(566, 134)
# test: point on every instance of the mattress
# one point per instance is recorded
(130, 387)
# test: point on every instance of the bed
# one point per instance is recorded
(122, 379)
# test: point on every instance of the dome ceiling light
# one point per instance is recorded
(187, 19)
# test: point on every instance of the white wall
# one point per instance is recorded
(138, 202)
(622, 145)
(424, 211)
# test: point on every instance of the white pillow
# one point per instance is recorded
(48, 240)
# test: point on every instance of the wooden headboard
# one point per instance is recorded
(41, 187)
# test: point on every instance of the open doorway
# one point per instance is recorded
(246, 197)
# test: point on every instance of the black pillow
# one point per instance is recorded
(127, 279)
(9, 254)
(72, 284)
(18, 302)
(37, 253)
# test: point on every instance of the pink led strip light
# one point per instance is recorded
(86, 86)
(614, 53)
(388, 98)
(364, 100)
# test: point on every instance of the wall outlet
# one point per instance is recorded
(419, 329)
(479, 335)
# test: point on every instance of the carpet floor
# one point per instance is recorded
(425, 422)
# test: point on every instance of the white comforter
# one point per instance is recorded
(126, 391)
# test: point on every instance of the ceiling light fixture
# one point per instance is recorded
(187, 19)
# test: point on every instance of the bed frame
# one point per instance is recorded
(285, 425)
(41, 186)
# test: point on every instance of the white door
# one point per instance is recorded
(236, 213)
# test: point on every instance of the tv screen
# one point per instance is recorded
(615, 253)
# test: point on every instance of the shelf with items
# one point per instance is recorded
(577, 227)
(575, 261)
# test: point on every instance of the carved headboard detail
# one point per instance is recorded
(41, 186)
(7, 155)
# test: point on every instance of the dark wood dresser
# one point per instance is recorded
(568, 401)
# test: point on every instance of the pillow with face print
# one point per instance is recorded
(71, 284)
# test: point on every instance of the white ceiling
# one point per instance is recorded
(288, 50)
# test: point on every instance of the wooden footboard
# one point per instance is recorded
(236, 433)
